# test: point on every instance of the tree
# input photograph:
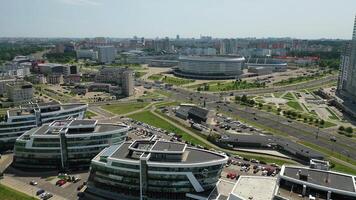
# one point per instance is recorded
(260, 105)
(237, 98)
(244, 98)
(341, 128)
(349, 130)
(322, 122)
(251, 102)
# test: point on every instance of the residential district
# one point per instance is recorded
(178, 118)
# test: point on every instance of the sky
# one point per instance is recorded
(305, 19)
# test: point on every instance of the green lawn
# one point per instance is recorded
(89, 114)
(164, 93)
(333, 115)
(123, 108)
(151, 119)
(7, 193)
(155, 77)
(295, 105)
(139, 74)
(288, 96)
(176, 81)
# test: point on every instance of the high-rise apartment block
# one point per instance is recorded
(347, 78)
(106, 54)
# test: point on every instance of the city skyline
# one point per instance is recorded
(156, 18)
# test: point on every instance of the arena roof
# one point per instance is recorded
(211, 59)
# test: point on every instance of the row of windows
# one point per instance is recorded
(17, 125)
(16, 130)
(11, 135)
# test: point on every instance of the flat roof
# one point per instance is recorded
(67, 125)
(321, 177)
(83, 123)
(212, 59)
(255, 187)
(168, 146)
(190, 155)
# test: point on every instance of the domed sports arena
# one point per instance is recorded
(210, 67)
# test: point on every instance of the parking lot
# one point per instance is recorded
(238, 166)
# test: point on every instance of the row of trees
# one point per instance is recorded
(9, 51)
(61, 57)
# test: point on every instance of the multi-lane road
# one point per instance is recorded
(297, 130)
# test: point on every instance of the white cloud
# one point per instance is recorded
(81, 2)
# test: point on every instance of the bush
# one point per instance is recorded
(341, 128)
(349, 130)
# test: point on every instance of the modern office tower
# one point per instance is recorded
(106, 54)
(153, 169)
(19, 91)
(18, 121)
(197, 67)
(128, 82)
(66, 144)
(347, 78)
(228, 46)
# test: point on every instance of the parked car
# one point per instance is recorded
(80, 187)
(46, 195)
(33, 182)
(61, 182)
(40, 191)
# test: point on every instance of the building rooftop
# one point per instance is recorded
(29, 108)
(189, 154)
(73, 127)
(211, 59)
(168, 146)
(255, 187)
(83, 123)
(321, 177)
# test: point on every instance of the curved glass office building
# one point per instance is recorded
(66, 144)
(197, 67)
(153, 169)
(16, 122)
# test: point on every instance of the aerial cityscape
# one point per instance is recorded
(177, 100)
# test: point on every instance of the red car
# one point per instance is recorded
(231, 175)
(61, 182)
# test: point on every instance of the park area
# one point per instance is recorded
(124, 108)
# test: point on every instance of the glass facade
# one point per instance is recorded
(46, 152)
(160, 185)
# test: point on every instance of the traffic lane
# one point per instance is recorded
(292, 131)
(298, 125)
(326, 136)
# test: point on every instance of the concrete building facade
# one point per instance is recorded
(106, 54)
